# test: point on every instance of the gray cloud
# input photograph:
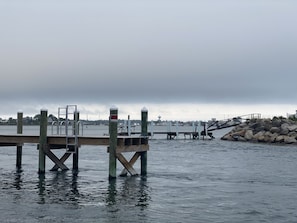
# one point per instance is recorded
(149, 51)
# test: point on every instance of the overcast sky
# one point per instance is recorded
(182, 59)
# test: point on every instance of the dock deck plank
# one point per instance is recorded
(60, 140)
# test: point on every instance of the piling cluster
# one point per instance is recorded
(276, 130)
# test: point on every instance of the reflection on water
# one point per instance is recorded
(18, 179)
(111, 192)
(144, 197)
(132, 191)
(58, 187)
(74, 189)
(63, 187)
(41, 187)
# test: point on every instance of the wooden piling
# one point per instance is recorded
(143, 158)
(19, 147)
(113, 134)
(42, 140)
(76, 132)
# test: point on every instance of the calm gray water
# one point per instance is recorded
(187, 181)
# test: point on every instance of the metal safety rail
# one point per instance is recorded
(71, 126)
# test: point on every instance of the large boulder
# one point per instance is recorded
(289, 140)
(280, 139)
(292, 128)
(273, 137)
(259, 136)
(249, 135)
(284, 130)
(277, 130)
(276, 122)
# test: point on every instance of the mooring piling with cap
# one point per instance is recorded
(42, 140)
(20, 146)
(144, 133)
(113, 134)
(75, 132)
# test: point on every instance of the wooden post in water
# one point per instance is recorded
(198, 129)
(205, 128)
(152, 129)
(143, 158)
(113, 135)
(76, 132)
(19, 147)
(129, 126)
(176, 129)
(42, 140)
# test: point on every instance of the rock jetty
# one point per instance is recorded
(276, 130)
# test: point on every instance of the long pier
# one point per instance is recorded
(200, 129)
(170, 135)
(71, 143)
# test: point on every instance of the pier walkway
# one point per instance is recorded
(198, 130)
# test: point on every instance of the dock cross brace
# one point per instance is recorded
(59, 162)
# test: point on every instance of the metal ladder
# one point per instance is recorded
(71, 127)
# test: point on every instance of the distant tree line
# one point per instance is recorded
(35, 120)
(27, 120)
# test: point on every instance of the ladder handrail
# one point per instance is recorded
(64, 112)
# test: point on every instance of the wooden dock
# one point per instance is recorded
(200, 129)
(116, 145)
(124, 143)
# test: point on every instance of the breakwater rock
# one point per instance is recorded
(276, 130)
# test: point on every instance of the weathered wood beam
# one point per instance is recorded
(123, 149)
(62, 159)
(132, 148)
(19, 139)
(126, 164)
(9, 144)
(55, 159)
(131, 162)
(95, 141)
(60, 140)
